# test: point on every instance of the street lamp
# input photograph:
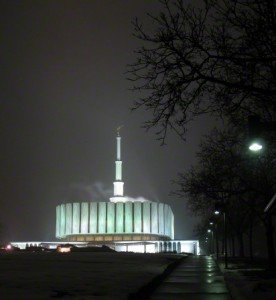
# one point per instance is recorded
(216, 212)
(255, 146)
(211, 223)
(257, 130)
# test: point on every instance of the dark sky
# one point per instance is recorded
(63, 93)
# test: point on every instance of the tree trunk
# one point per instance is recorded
(270, 241)
(222, 247)
(233, 246)
(251, 238)
(241, 245)
(217, 244)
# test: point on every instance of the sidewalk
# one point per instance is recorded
(196, 278)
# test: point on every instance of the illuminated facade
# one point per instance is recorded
(119, 221)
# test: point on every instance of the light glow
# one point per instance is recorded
(255, 147)
(64, 249)
(217, 212)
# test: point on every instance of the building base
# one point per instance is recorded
(149, 246)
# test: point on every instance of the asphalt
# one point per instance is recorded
(196, 278)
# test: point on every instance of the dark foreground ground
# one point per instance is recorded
(77, 275)
(250, 279)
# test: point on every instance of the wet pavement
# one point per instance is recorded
(196, 278)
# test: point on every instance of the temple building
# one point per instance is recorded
(123, 223)
(120, 222)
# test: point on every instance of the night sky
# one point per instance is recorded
(63, 93)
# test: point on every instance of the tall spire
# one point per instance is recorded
(118, 194)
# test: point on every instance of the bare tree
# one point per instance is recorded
(218, 59)
(225, 173)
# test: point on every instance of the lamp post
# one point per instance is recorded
(215, 237)
(225, 240)
(221, 207)
(212, 241)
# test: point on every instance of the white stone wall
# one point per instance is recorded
(112, 218)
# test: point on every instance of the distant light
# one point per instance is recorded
(211, 223)
(217, 212)
(64, 249)
(9, 247)
(255, 147)
(209, 230)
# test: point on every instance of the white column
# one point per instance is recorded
(93, 217)
(76, 218)
(118, 184)
(118, 147)
(118, 172)
(84, 217)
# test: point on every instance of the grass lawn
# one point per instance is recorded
(77, 275)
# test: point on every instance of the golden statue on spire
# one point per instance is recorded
(119, 128)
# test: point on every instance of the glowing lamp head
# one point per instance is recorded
(255, 147)
(9, 247)
(211, 223)
(209, 230)
(217, 212)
